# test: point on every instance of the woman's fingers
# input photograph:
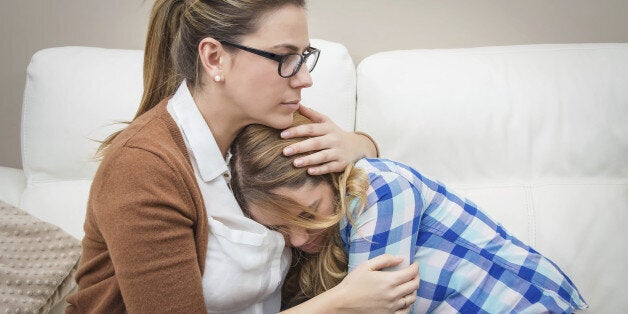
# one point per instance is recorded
(312, 114)
(320, 160)
(405, 283)
(402, 309)
(306, 130)
(328, 147)
(410, 299)
(383, 261)
(406, 303)
(409, 287)
(328, 167)
(409, 273)
(320, 125)
(388, 291)
(308, 145)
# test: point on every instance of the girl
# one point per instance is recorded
(335, 223)
(163, 232)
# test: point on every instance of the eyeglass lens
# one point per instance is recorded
(291, 64)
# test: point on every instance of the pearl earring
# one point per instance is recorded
(217, 78)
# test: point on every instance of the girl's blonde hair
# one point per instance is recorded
(175, 29)
(258, 168)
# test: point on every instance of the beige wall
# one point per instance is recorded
(364, 26)
(30, 25)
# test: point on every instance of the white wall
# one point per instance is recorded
(364, 26)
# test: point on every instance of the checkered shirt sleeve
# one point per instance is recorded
(468, 263)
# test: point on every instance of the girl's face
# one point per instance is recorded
(319, 197)
(258, 93)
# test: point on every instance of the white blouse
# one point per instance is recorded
(246, 263)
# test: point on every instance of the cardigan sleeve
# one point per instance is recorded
(145, 214)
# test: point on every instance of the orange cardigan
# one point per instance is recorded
(146, 226)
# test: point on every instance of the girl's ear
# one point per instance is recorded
(210, 53)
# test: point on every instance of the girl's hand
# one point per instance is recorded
(333, 148)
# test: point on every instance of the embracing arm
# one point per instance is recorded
(367, 290)
(146, 217)
(335, 148)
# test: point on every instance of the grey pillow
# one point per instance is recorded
(37, 262)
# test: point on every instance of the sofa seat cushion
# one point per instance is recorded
(12, 183)
(58, 202)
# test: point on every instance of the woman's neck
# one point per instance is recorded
(220, 117)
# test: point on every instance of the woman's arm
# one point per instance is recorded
(368, 289)
(147, 223)
(334, 148)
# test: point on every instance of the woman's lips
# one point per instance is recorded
(294, 105)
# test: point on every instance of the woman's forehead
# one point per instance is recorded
(285, 28)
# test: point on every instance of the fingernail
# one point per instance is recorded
(298, 162)
(288, 151)
(285, 133)
(311, 171)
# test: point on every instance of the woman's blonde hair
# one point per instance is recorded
(258, 168)
(175, 29)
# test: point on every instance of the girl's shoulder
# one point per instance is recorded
(384, 171)
(374, 165)
(386, 167)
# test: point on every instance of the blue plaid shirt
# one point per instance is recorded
(469, 263)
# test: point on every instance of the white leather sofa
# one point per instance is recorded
(535, 135)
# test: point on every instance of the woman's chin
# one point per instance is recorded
(283, 122)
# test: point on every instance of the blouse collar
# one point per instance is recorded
(198, 137)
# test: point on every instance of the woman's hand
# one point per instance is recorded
(369, 289)
(333, 148)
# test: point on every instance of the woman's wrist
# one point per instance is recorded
(330, 301)
(371, 148)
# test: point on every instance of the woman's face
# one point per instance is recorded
(258, 93)
(319, 197)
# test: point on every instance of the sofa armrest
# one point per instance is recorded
(12, 184)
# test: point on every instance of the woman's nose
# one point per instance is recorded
(302, 79)
(298, 236)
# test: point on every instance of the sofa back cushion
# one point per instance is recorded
(74, 96)
(536, 135)
(77, 96)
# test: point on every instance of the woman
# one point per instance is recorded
(469, 264)
(163, 232)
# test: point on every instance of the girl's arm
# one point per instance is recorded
(389, 224)
(332, 148)
(368, 290)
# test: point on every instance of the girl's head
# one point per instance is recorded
(278, 195)
(306, 209)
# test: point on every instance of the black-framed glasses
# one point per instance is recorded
(289, 64)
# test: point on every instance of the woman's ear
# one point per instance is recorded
(210, 52)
